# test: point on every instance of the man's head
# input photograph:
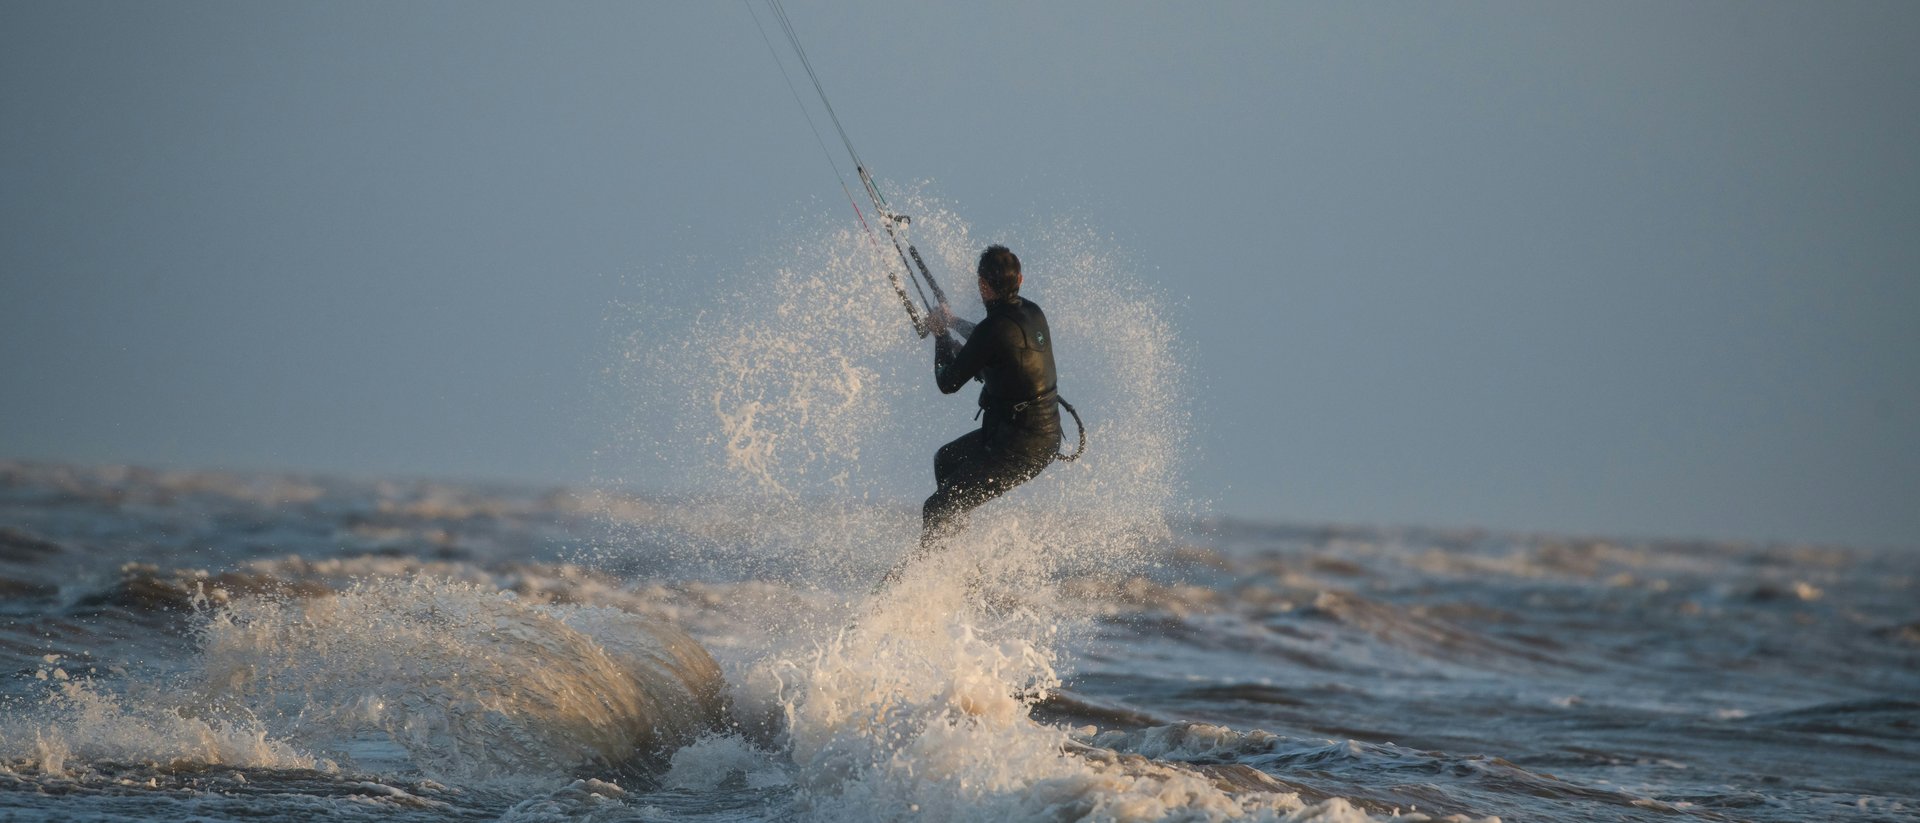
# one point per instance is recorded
(999, 273)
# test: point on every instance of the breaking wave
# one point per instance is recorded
(448, 679)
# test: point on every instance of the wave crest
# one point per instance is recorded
(469, 681)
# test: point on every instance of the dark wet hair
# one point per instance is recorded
(1001, 270)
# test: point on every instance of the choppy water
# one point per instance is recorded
(182, 645)
(210, 646)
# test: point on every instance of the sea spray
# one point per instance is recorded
(802, 398)
(818, 415)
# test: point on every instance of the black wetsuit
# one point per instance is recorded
(1011, 352)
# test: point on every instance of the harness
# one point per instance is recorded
(1049, 396)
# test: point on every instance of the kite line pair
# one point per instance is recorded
(892, 222)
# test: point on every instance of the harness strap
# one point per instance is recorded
(1044, 397)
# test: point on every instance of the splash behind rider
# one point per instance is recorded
(1011, 354)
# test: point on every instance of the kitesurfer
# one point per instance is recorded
(1011, 354)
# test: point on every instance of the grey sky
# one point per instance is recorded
(1640, 268)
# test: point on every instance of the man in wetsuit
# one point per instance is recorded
(1011, 354)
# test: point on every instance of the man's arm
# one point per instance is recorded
(954, 364)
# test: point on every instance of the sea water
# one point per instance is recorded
(194, 645)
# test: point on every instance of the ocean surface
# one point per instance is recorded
(211, 646)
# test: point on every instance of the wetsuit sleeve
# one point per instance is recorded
(955, 364)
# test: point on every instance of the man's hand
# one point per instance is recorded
(939, 320)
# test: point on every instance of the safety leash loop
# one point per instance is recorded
(1077, 425)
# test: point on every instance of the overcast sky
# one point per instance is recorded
(1639, 268)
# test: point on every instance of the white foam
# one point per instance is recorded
(923, 707)
(76, 723)
(716, 760)
(582, 801)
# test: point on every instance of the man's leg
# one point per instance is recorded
(955, 469)
(960, 470)
(972, 475)
(966, 475)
